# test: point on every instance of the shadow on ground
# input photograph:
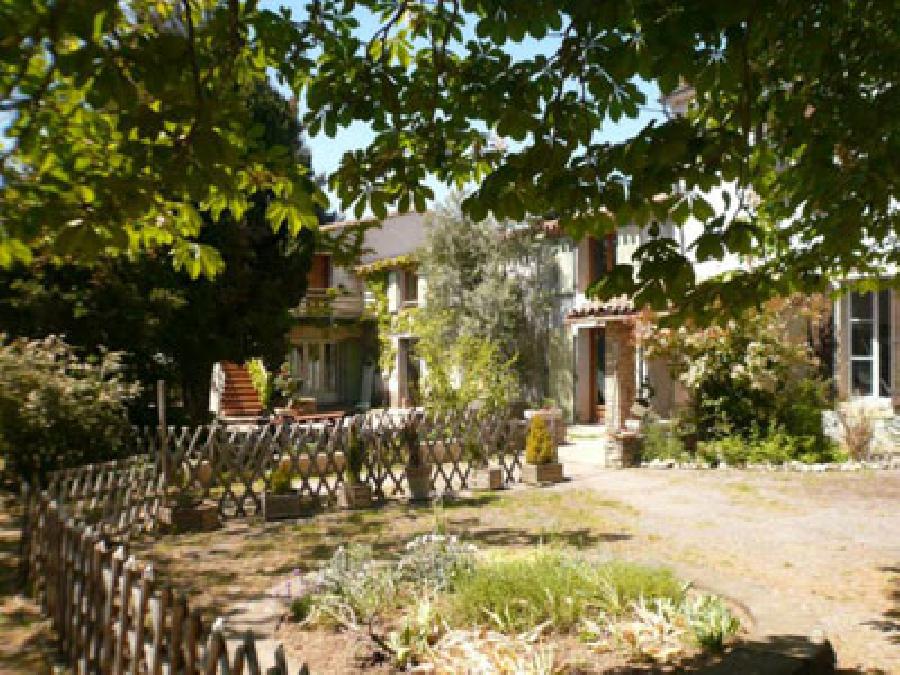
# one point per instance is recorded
(772, 655)
(889, 623)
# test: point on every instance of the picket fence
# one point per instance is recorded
(109, 613)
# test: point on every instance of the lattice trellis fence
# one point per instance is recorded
(234, 466)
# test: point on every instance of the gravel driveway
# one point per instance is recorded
(803, 553)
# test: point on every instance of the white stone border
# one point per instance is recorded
(799, 467)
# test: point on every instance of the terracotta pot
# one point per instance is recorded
(205, 473)
(437, 451)
(455, 451)
(303, 464)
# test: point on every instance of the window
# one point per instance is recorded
(870, 344)
(316, 365)
(410, 286)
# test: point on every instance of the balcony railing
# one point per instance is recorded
(330, 302)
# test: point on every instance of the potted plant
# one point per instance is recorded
(482, 476)
(541, 465)
(355, 493)
(553, 417)
(418, 471)
(280, 500)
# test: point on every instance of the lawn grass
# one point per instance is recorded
(522, 591)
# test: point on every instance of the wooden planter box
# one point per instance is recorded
(202, 517)
(486, 478)
(542, 474)
(355, 496)
(278, 507)
(419, 480)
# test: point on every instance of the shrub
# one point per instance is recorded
(712, 623)
(662, 441)
(858, 430)
(59, 410)
(435, 561)
(281, 481)
(261, 380)
(409, 438)
(753, 374)
(539, 448)
(518, 593)
(776, 447)
(302, 607)
(356, 455)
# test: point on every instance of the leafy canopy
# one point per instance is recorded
(126, 124)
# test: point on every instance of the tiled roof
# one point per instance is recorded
(621, 306)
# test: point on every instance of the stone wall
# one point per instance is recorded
(619, 386)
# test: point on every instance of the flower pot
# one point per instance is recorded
(455, 451)
(486, 478)
(340, 460)
(419, 480)
(542, 474)
(355, 496)
(199, 517)
(291, 505)
(303, 464)
(426, 453)
(205, 473)
(438, 452)
(321, 462)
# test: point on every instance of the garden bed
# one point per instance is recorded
(443, 605)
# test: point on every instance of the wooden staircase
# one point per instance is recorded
(239, 398)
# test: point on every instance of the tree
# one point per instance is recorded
(794, 111)
(172, 326)
(128, 121)
(482, 317)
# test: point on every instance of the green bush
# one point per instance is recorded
(662, 441)
(261, 380)
(280, 481)
(58, 409)
(776, 447)
(356, 456)
(518, 593)
(539, 446)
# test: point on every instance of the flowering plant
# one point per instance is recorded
(743, 375)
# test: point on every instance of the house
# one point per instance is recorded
(335, 343)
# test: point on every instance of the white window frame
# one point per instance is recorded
(875, 357)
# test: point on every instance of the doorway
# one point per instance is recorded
(598, 374)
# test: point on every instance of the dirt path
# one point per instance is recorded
(25, 639)
(804, 553)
